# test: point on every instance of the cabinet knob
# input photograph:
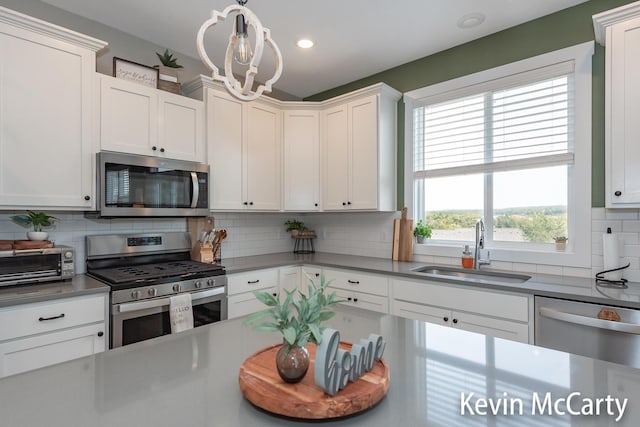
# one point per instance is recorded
(317, 274)
(162, 150)
(445, 318)
(315, 204)
(348, 203)
(275, 294)
(87, 197)
(344, 204)
(251, 203)
(618, 193)
(348, 298)
(154, 148)
(100, 333)
(455, 320)
(245, 203)
(355, 300)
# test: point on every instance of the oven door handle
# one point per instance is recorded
(142, 305)
(629, 328)
(196, 190)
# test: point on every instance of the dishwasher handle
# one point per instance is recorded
(629, 328)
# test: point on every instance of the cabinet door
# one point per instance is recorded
(225, 116)
(426, 313)
(246, 303)
(301, 161)
(128, 117)
(336, 159)
(262, 157)
(623, 62)
(363, 154)
(290, 278)
(181, 133)
(362, 300)
(46, 103)
(35, 352)
(490, 326)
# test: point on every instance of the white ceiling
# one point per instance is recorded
(354, 38)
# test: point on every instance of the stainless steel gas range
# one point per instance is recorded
(144, 270)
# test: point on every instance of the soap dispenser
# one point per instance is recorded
(467, 258)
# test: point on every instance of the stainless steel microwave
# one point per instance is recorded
(130, 185)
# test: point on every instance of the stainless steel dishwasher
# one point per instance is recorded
(574, 327)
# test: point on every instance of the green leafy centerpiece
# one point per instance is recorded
(311, 309)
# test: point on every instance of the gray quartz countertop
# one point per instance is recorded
(79, 285)
(191, 379)
(575, 288)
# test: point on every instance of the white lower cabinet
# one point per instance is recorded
(367, 291)
(497, 314)
(290, 278)
(241, 300)
(41, 334)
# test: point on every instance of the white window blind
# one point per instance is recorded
(523, 125)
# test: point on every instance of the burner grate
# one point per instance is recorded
(147, 272)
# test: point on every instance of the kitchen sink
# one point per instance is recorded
(472, 275)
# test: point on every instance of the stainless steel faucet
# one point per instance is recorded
(478, 261)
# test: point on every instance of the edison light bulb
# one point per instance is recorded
(242, 50)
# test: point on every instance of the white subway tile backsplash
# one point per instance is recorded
(362, 233)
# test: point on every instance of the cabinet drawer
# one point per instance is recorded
(36, 318)
(247, 303)
(461, 298)
(252, 281)
(358, 282)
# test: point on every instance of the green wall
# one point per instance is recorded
(562, 29)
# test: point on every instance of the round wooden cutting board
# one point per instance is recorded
(261, 385)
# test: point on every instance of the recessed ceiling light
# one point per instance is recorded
(470, 20)
(304, 43)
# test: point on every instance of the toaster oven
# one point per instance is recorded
(25, 266)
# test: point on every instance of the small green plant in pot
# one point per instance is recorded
(422, 231)
(294, 226)
(561, 242)
(311, 309)
(37, 220)
(168, 59)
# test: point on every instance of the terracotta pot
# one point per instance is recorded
(294, 233)
(292, 362)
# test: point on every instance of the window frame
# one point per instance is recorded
(578, 253)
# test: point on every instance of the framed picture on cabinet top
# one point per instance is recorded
(132, 71)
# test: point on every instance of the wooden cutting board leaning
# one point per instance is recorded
(402, 238)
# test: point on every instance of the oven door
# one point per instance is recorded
(141, 320)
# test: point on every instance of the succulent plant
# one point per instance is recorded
(168, 60)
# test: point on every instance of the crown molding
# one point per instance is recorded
(20, 20)
(607, 18)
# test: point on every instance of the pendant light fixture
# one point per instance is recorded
(240, 51)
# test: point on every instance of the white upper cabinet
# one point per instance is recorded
(359, 150)
(46, 102)
(301, 160)
(138, 119)
(619, 31)
(244, 150)
(338, 154)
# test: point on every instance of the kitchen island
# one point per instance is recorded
(191, 379)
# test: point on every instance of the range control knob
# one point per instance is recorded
(136, 294)
(152, 292)
(177, 287)
(210, 282)
(198, 284)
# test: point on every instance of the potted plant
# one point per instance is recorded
(37, 220)
(311, 309)
(561, 242)
(168, 72)
(294, 226)
(422, 231)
